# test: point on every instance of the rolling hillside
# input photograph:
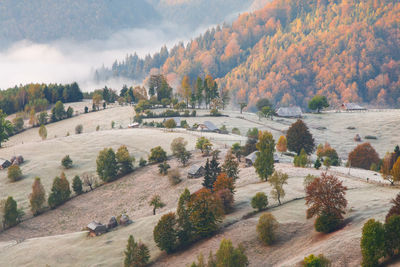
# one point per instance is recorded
(48, 20)
(290, 50)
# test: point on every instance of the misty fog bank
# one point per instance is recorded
(66, 61)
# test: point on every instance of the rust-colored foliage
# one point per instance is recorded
(224, 182)
(363, 156)
(395, 209)
(326, 195)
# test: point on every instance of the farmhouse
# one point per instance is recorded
(96, 228)
(289, 112)
(4, 164)
(352, 107)
(208, 126)
(196, 171)
(251, 158)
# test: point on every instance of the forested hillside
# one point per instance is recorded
(290, 50)
(47, 20)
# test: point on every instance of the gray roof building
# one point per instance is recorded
(196, 171)
(352, 107)
(289, 112)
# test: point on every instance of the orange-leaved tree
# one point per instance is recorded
(363, 156)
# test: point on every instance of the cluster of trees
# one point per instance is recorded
(289, 51)
(111, 164)
(37, 97)
(379, 240)
(227, 255)
(199, 214)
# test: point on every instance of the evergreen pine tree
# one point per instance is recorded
(77, 185)
(136, 254)
(208, 178)
(215, 168)
(10, 212)
(185, 232)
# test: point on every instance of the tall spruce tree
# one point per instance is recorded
(10, 212)
(136, 254)
(185, 232)
(208, 176)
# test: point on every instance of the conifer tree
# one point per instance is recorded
(231, 166)
(208, 177)
(136, 254)
(185, 232)
(37, 197)
(77, 185)
(10, 212)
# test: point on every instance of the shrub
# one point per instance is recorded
(10, 212)
(97, 128)
(174, 176)
(124, 160)
(163, 168)
(18, 124)
(300, 160)
(266, 228)
(79, 129)
(70, 112)
(204, 145)
(363, 156)
(142, 162)
(170, 124)
(193, 113)
(326, 223)
(86, 109)
(236, 131)
(107, 165)
(136, 254)
(42, 132)
(316, 261)
(77, 185)
(165, 233)
(89, 180)
(14, 173)
(317, 164)
(259, 201)
(299, 137)
(66, 162)
(112, 124)
(37, 197)
(372, 243)
(157, 155)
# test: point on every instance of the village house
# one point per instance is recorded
(208, 126)
(196, 171)
(96, 228)
(251, 158)
(352, 107)
(4, 164)
(289, 112)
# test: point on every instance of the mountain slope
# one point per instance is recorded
(48, 20)
(290, 50)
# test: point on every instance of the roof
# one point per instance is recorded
(210, 126)
(94, 225)
(194, 169)
(177, 121)
(252, 157)
(352, 106)
(2, 161)
(289, 112)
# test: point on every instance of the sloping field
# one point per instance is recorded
(296, 234)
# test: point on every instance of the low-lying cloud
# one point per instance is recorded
(65, 61)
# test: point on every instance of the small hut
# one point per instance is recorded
(4, 164)
(352, 107)
(289, 112)
(196, 171)
(96, 228)
(208, 126)
(250, 159)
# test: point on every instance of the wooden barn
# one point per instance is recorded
(196, 171)
(352, 107)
